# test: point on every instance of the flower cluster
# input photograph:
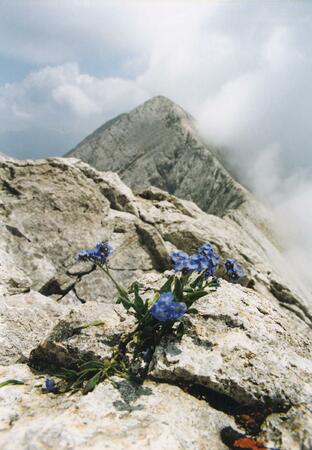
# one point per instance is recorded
(193, 278)
(166, 308)
(99, 254)
(204, 260)
(234, 271)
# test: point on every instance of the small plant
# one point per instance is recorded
(194, 276)
(10, 382)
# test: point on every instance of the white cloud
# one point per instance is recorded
(76, 100)
(62, 98)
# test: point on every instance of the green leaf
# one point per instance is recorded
(167, 285)
(122, 292)
(185, 277)
(86, 373)
(178, 289)
(12, 382)
(90, 385)
(188, 289)
(96, 323)
(68, 374)
(94, 364)
(146, 303)
(139, 304)
(76, 384)
(191, 298)
(198, 282)
(126, 303)
(192, 311)
(180, 330)
(213, 284)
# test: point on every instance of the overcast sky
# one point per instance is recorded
(242, 68)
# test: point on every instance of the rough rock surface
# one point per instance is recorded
(157, 144)
(50, 209)
(291, 430)
(152, 416)
(245, 347)
(239, 351)
(24, 320)
(228, 348)
(69, 343)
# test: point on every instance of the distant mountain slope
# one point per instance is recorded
(157, 144)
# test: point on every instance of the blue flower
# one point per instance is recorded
(99, 254)
(50, 385)
(166, 308)
(166, 297)
(208, 251)
(184, 263)
(233, 270)
(212, 260)
(204, 260)
(180, 261)
(198, 262)
(210, 270)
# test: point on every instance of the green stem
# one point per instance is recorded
(106, 270)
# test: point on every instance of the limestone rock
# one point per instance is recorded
(241, 345)
(184, 226)
(153, 417)
(290, 430)
(157, 144)
(13, 280)
(75, 340)
(50, 211)
(24, 320)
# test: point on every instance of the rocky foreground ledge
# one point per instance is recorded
(242, 372)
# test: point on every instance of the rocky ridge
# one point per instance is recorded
(247, 350)
(158, 144)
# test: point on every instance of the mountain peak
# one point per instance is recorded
(159, 99)
(157, 108)
(161, 102)
(157, 144)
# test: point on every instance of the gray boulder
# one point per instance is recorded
(228, 347)
(24, 320)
